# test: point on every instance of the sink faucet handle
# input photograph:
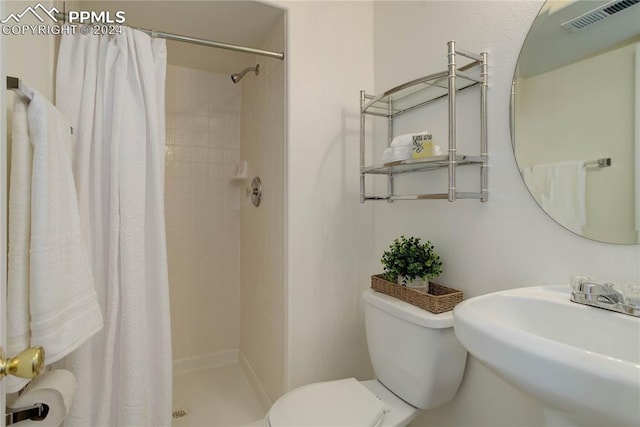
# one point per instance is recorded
(576, 281)
(604, 293)
(587, 286)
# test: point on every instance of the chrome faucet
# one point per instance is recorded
(597, 292)
(604, 295)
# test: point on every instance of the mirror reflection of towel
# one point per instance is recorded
(560, 190)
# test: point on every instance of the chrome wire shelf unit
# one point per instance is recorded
(418, 93)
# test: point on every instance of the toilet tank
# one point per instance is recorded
(414, 352)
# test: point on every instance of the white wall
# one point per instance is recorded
(262, 298)
(329, 236)
(31, 57)
(507, 242)
(202, 206)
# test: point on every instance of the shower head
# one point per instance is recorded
(238, 76)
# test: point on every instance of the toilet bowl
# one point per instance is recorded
(418, 363)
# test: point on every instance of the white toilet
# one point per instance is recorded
(418, 362)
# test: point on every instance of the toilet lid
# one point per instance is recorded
(328, 404)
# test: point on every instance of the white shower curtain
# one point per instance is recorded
(112, 91)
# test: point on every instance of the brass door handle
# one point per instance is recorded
(27, 364)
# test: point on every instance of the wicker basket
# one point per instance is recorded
(438, 299)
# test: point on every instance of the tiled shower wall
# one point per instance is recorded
(202, 206)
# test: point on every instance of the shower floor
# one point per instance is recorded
(216, 397)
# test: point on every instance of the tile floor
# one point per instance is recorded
(216, 397)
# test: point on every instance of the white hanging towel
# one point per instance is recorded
(566, 200)
(50, 284)
(19, 231)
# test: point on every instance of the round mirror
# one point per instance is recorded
(575, 116)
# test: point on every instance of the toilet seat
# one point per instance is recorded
(328, 404)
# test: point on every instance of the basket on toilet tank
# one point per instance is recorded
(438, 299)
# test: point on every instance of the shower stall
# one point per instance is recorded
(226, 257)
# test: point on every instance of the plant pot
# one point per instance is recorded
(416, 283)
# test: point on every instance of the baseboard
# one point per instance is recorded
(190, 364)
(254, 381)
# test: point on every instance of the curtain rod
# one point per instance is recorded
(194, 40)
(211, 43)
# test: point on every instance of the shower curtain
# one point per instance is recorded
(111, 88)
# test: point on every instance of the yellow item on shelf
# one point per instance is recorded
(422, 145)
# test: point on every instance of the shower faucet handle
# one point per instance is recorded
(255, 191)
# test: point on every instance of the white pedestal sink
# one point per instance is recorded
(582, 363)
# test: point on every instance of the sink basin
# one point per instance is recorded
(582, 363)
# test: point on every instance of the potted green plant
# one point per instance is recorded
(410, 262)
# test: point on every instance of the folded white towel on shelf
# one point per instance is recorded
(50, 281)
(402, 140)
(394, 154)
(387, 155)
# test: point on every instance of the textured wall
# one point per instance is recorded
(508, 242)
(329, 235)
